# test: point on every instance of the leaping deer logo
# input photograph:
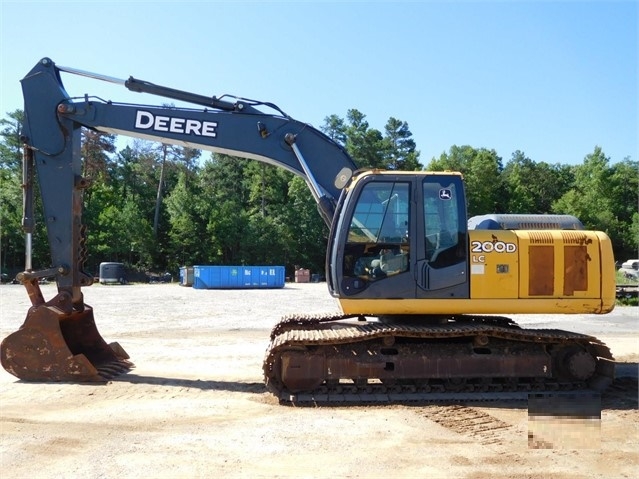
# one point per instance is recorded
(445, 194)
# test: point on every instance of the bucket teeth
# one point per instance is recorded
(114, 369)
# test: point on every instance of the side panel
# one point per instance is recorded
(541, 271)
(576, 260)
(560, 264)
(494, 264)
(538, 264)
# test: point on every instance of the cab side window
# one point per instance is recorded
(445, 233)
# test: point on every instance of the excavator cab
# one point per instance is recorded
(399, 235)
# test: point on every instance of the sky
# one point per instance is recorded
(550, 79)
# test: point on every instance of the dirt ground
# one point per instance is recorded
(196, 406)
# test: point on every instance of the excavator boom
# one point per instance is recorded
(64, 327)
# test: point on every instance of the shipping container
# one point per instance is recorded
(186, 276)
(231, 277)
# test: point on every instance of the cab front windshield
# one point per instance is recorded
(377, 244)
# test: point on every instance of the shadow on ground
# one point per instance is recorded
(621, 395)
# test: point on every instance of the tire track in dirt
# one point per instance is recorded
(470, 422)
(622, 394)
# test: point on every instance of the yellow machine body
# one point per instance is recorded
(521, 272)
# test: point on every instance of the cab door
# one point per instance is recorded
(442, 247)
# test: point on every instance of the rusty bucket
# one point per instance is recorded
(57, 343)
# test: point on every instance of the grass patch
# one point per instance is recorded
(626, 301)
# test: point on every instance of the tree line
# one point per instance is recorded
(157, 207)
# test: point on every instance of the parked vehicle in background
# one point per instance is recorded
(630, 269)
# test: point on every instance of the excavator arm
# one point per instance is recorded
(52, 140)
(52, 134)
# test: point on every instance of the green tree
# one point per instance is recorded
(116, 229)
(96, 150)
(400, 151)
(187, 232)
(139, 167)
(624, 201)
(119, 208)
(227, 228)
(10, 148)
(604, 197)
(364, 144)
(172, 159)
(11, 236)
(588, 199)
(457, 159)
(394, 150)
(307, 232)
(533, 187)
(264, 242)
(138, 236)
(335, 129)
(226, 190)
(268, 187)
(12, 243)
(146, 173)
(481, 169)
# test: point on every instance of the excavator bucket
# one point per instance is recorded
(56, 343)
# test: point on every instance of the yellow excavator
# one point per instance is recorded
(422, 288)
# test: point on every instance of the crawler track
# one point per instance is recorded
(349, 359)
